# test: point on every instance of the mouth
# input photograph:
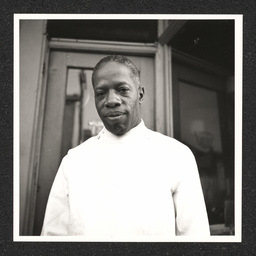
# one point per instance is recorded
(114, 116)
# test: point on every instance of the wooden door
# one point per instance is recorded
(61, 119)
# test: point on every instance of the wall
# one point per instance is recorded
(31, 36)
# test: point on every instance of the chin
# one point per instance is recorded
(118, 130)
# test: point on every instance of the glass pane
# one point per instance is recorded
(81, 120)
(200, 130)
(199, 120)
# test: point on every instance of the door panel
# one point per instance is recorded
(62, 108)
(199, 123)
(144, 64)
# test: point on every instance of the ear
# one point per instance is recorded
(141, 94)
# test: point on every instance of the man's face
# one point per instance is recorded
(117, 97)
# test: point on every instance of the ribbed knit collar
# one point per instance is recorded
(134, 134)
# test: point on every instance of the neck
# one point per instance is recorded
(138, 129)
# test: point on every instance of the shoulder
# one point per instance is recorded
(169, 142)
(83, 148)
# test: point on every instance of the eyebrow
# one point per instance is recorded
(103, 86)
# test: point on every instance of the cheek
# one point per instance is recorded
(98, 106)
(99, 103)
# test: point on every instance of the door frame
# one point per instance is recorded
(163, 99)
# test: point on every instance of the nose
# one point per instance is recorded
(112, 99)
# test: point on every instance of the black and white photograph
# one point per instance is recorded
(128, 128)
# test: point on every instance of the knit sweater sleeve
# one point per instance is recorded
(190, 210)
(57, 211)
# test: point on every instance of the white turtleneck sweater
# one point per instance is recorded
(141, 186)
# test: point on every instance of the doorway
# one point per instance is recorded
(70, 116)
(201, 118)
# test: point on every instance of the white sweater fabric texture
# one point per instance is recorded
(142, 186)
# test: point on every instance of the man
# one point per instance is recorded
(128, 182)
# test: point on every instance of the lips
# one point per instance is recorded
(115, 116)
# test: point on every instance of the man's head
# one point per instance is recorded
(118, 93)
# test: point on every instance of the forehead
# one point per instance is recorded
(112, 69)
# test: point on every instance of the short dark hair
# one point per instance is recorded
(122, 60)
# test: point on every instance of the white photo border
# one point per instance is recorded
(238, 77)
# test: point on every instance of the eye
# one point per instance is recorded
(100, 93)
(123, 90)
